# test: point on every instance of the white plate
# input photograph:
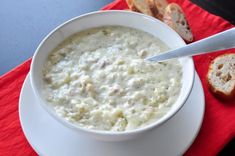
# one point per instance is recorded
(49, 137)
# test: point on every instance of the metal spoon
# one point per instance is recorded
(220, 41)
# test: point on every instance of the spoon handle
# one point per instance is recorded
(220, 41)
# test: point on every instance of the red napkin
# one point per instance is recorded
(218, 125)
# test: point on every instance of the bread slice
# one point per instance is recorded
(175, 18)
(154, 10)
(157, 7)
(221, 76)
(139, 6)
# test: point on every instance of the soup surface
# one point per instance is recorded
(98, 79)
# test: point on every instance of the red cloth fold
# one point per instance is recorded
(218, 126)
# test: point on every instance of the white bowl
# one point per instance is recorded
(102, 18)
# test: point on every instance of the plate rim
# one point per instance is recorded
(27, 80)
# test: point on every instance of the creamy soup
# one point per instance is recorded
(98, 79)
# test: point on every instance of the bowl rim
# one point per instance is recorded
(157, 123)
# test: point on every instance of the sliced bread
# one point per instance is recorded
(139, 6)
(221, 76)
(175, 18)
(157, 7)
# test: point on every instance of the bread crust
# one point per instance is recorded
(175, 18)
(139, 6)
(160, 6)
(171, 14)
(153, 8)
(218, 92)
(157, 8)
(129, 3)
